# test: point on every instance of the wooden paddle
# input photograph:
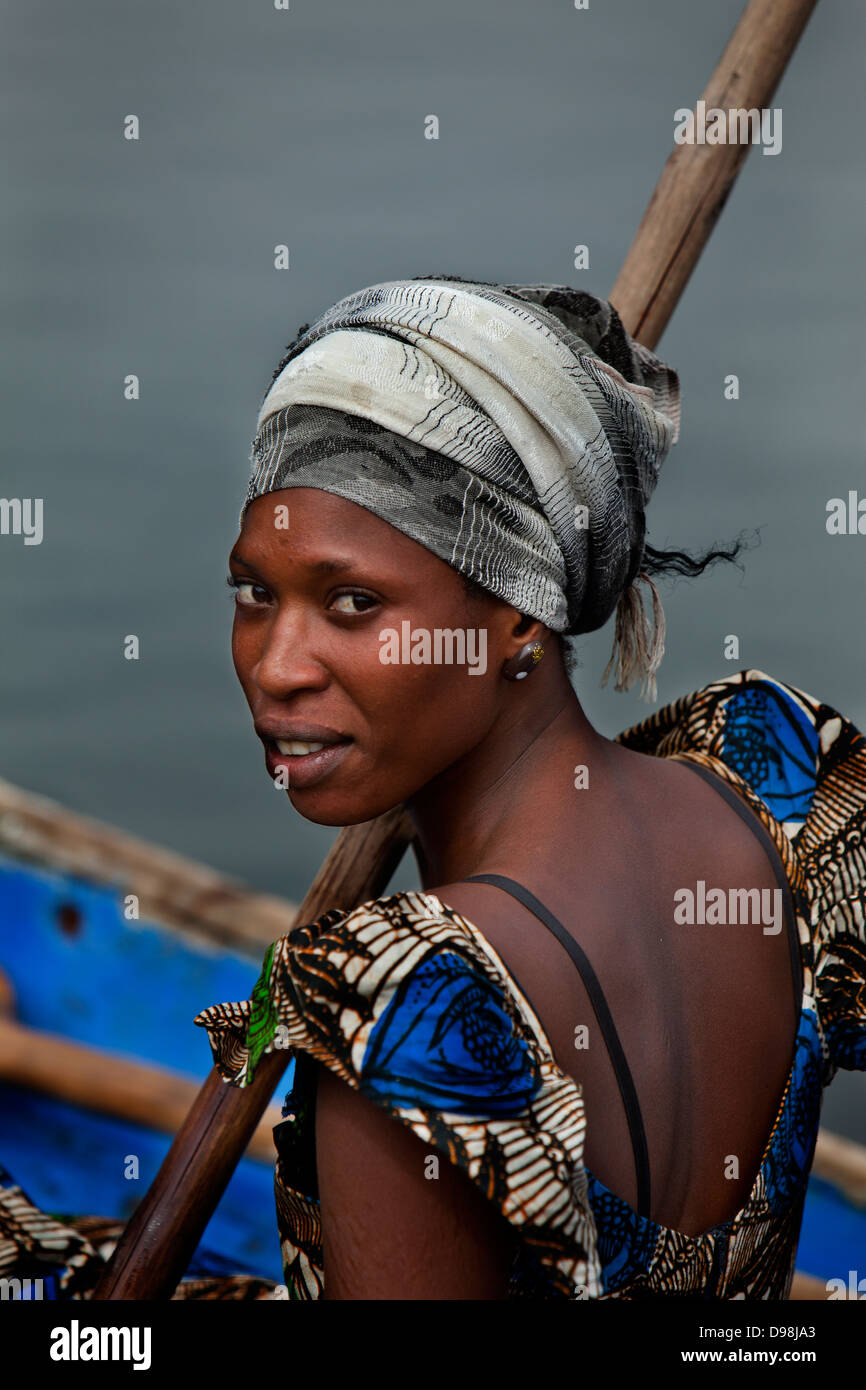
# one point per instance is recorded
(155, 1249)
(90, 1077)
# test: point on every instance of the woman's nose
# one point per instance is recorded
(287, 661)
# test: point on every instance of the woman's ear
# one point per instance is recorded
(527, 629)
(526, 648)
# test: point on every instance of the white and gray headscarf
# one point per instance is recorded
(516, 431)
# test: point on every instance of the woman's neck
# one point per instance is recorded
(508, 792)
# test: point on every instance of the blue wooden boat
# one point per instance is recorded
(101, 990)
(99, 1058)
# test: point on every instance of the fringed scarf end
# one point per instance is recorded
(637, 652)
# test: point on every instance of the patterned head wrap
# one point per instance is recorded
(516, 431)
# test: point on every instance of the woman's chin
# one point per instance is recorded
(331, 808)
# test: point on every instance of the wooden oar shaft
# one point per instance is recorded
(170, 888)
(163, 1232)
(697, 178)
(156, 1246)
(843, 1163)
(109, 1085)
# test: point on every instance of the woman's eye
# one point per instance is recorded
(353, 598)
(247, 593)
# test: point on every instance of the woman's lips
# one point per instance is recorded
(306, 769)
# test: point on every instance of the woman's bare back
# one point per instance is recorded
(706, 1014)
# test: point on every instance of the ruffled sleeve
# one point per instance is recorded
(802, 767)
(407, 1001)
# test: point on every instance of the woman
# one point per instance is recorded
(449, 481)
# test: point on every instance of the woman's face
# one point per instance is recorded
(312, 604)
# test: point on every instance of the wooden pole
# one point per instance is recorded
(156, 1246)
(109, 1085)
(171, 889)
(163, 1232)
(103, 1082)
(697, 179)
(843, 1163)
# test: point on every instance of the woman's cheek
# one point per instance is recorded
(241, 656)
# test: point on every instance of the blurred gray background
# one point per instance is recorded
(155, 257)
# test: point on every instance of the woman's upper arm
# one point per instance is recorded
(399, 1220)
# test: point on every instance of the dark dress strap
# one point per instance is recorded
(605, 1022)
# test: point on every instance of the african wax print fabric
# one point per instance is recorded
(47, 1256)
